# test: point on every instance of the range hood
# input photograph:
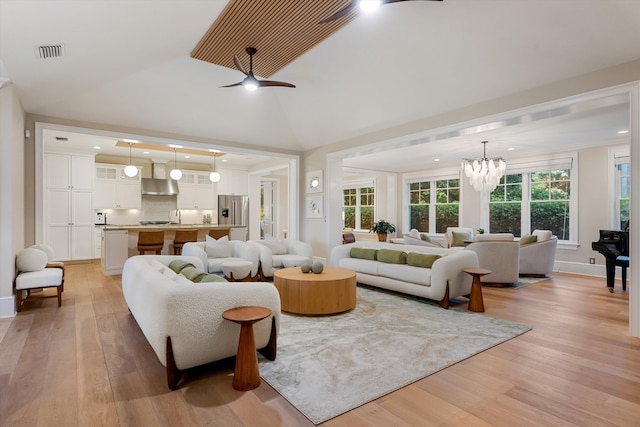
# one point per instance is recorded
(159, 187)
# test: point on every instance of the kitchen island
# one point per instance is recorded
(119, 242)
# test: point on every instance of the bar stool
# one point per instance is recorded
(150, 241)
(181, 237)
(219, 232)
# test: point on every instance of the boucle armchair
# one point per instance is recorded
(502, 257)
(537, 259)
(215, 253)
(276, 253)
(37, 269)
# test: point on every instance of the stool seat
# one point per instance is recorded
(150, 241)
(181, 237)
(235, 271)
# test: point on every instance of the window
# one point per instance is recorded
(437, 199)
(358, 206)
(622, 190)
(537, 196)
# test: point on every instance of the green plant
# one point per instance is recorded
(480, 230)
(383, 227)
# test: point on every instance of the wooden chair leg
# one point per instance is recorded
(173, 373)
(18, 300)
(59, 288)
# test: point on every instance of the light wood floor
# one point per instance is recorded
(88, 364)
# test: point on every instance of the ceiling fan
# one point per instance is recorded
(367, 5)
(250, 82)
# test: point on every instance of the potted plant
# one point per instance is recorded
(383, 227)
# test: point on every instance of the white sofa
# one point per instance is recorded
(444, 280)
(183, 320)
(276, 253)
(214, 253)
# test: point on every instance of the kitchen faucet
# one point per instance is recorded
(179, 213)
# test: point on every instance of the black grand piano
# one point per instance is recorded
(614, 245)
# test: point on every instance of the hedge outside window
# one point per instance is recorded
(505, 206)
(623, 190)
(358, 207)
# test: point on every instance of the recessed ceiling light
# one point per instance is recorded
(622, 132)
(175, 146)
(436, 160)
(131, 141)
(211, 150)
(224, 160)
(145, 152)
(96, 147)
(510, 148)
(187, 157)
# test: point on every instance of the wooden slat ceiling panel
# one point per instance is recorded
(281, 31)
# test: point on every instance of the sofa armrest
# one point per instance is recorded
(449, 269)
(266, 258)
(196, 249)
(340, 252)
(247, 252)
(297, 247)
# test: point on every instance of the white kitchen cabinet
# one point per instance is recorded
(196, 191)
(115, 190)
(69, 205)
(115, 251)
(233, 181)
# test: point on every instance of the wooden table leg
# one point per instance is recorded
(476, 302)
(247, 374)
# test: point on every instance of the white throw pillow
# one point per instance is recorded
(31, 259)
(217, 248)
(414, 233)
(46, 249)
(278, 245)
(181, 280)
(542, 235)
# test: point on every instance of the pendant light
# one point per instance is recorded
(214, 176)
(130, 170)
(175, 172)
(484, 174)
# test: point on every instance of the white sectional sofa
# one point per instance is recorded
(445, 279)
(183, 320)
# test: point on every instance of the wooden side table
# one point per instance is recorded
(246, 375)
(476, 303)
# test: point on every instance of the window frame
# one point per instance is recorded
(614, 153)
(358, 185)
(432, 177)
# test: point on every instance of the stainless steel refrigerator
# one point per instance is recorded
(233, 210)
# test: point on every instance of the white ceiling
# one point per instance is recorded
(127, 64)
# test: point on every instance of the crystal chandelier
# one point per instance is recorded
(484, 174)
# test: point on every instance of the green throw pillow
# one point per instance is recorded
(192, 273)
(177, 265)
(460, 238)
(391, 256)
(209, 278)
(363, 253)
(421, 260)
(425, 237)
(525, 240)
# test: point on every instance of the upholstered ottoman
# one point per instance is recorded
(294, 260)
(238, 271)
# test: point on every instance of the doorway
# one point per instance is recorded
(268, 207)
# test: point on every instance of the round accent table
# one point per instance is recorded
(476, 302)
(332, 291)
(246, 375)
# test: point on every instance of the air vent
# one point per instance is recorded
(61, 138)
(50, 51)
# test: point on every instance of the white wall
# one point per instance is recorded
(11, 193)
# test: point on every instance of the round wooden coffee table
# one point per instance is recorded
(332, 291)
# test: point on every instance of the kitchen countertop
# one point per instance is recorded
(165, 226)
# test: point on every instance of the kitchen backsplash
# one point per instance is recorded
(157, 208)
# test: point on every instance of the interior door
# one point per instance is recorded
(267, 208)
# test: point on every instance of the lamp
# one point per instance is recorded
(484, 174)
(369, 5)
(175, 172)
(130, 170)
(214, 176)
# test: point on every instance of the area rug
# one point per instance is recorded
(526, 281)
(328, 365)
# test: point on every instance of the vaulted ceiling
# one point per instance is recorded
(128, 63)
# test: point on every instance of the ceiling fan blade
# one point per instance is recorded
(235, 84)
(342, 12)
(239, 65)
(397, 1)
(264, 83)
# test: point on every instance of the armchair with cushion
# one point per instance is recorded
(456, 236)
(214, 253)
(414, 237)
(498, 253)
(538, 253)
(276, 253)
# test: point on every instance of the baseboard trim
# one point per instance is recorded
(597, 270)
(8, 306)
